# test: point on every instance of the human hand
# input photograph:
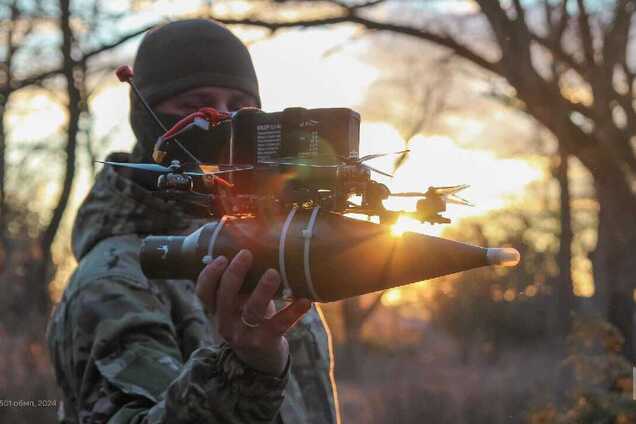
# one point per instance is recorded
(250, 324)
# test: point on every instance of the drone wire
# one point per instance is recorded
(163, 127)
(208, 114)
(125, 74)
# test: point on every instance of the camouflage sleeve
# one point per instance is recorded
(126, 366)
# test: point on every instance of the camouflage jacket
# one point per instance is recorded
(131, 350)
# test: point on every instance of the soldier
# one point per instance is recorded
(131, 350)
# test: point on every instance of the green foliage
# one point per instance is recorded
(601, 390)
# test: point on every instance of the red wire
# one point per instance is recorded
(211, 115)
(223, 181)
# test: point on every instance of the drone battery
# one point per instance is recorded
(260, 137)
(332, 133)
(311, 135)
(256, 136)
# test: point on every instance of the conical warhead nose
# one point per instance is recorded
(502, 256)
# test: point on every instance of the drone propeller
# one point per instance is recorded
(456, 200)
(160, 169)
(150, 167)
(448, 190)
(299, 162)
(359, 161)
(295, 162)
(219, 169)
(378, 155)
(449, 193)
(408, 194)
(291, 161)
(364, 165)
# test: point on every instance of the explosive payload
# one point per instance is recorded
(281, 187)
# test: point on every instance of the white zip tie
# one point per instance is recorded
(308, 233)
(287, 291)
(210, 257)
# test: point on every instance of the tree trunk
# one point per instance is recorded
(6, 74)
(352, 327)
(3, 224)
(354, 316)
(613, 258)
(564, 299)
(613, 262)
(74, 80)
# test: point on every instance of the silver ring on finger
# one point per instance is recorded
(249, 324)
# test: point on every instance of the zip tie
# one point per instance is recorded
(287, 291)
(308, 233)
(210, 257)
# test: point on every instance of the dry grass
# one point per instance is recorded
(431, 384)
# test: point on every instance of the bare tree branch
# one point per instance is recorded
(616, 38)
(553, 41)
(564, 19)
(560, 54)
(355, 6)
(34, 79)
(443, 40)
(514, 40)
(520, 11)
(579, 108)
(368, 311)
(499, 22)
(585, 32)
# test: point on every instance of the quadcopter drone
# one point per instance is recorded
(268, 162)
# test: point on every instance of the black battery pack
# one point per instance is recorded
(298, 133)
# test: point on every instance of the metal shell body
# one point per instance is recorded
(320, 255)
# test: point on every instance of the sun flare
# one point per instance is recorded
(440, 161)
(404, 224)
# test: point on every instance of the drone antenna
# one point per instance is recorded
(125, 74)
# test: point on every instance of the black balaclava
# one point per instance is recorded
(180, 56)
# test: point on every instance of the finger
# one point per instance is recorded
(231, 282)
(271, 310)
(208, 282)
(255, 308)
(287, 317)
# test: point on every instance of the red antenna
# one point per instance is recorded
(124, 73)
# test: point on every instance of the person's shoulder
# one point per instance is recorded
(114, 258)
(109, 270)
